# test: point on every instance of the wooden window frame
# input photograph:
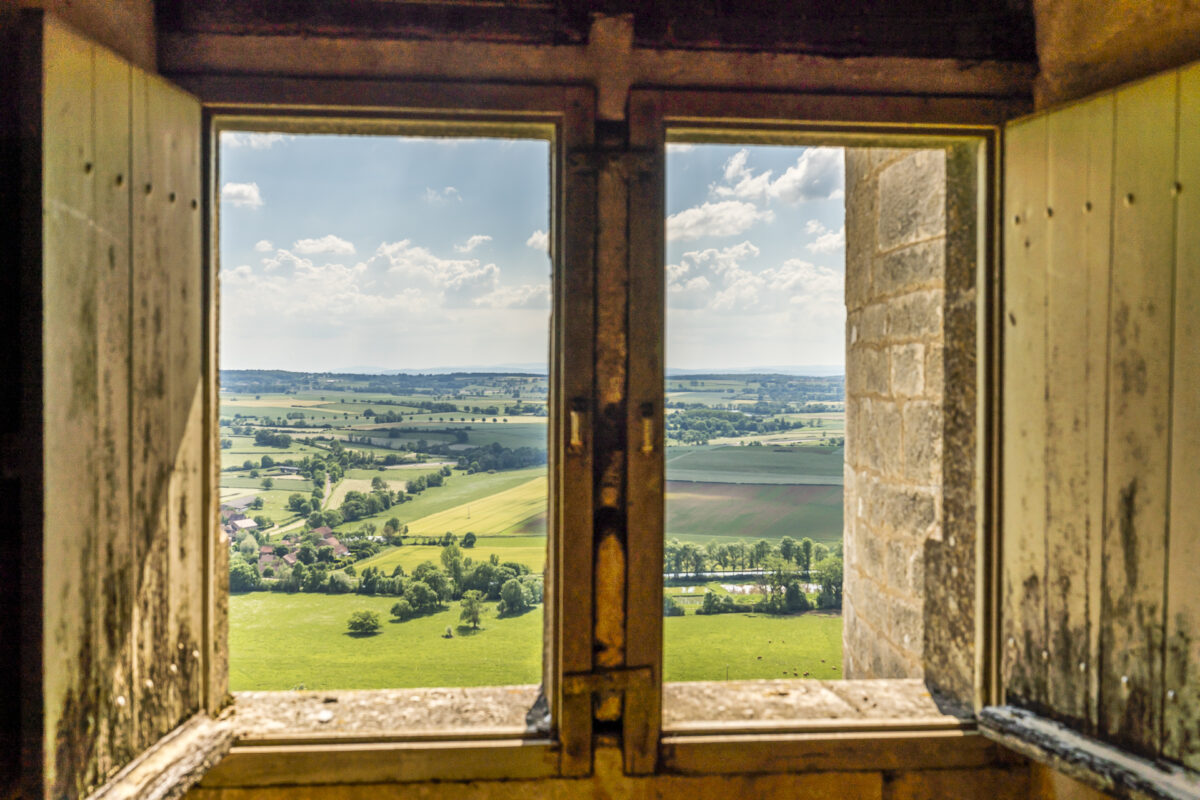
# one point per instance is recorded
(572, 674)
(698, 116)
(562, 115)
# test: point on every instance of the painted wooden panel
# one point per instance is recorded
(70, 382)
(1138, 414)
(113, 557)
(1024, 501)
(1181, 711)
(181, 261)
(1078, 181)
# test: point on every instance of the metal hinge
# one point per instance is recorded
(619, 679)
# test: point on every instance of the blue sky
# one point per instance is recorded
(401, 253)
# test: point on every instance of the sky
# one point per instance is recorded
(373, 252)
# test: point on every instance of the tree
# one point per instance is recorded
(512, 598)
(829, 572)
(243, 577)
(267, 462)
(671, 607)
(804, 557)
(787, 548)
(402, 610)
(468, 540)
(364, 623)
(472, 607)
(267, 483)
(307, 554)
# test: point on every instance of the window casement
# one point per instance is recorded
(603, 622)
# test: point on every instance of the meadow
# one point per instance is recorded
(702, 512)
(282, 641)
(799, 464)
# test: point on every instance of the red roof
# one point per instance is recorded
(324, 531)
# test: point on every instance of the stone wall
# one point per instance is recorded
(895, 295)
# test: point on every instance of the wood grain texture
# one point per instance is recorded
(113, 557)
(70, 380)
(1079, 161)
(1024, 436)
(1138, 414)
(1181, 678)
(569, 612)
(644, 432)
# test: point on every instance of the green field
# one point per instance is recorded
(808, 464)
(459, 490)
(752, 646)
(284, 641)
(281, 641)
(701, 512)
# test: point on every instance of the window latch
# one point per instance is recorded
(618, 679)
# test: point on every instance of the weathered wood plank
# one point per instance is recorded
(70, 384)
(1138, 413)
(1079, 148)
(151, 446)
(644, 431)
(113, 557)
(185, 391)
(1024, 393)
(1098, 263)
(1181, 713)
(574, 269)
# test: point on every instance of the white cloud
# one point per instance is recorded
(326, 244)
(458, 282)
(255, 141)
(725, 218)
(264, 246)
(819, 174)
(539, 240)
(472, 243)
(829, 241)
(435, 197)
(725, 280)
(242, 194)
(526, 296)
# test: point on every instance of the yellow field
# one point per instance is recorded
(489, 516)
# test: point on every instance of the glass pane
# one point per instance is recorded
(384, 335)
(755, 414)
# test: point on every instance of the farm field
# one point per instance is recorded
(809, 464)
(752, 646)
(702, 512)
(459, 490)
(286, 641)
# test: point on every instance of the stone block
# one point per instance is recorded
(918, 266)
(908, 370)
(882, 448)
(906, 510)
(923, 442)
(912, 199)
(901, 553)
(934, 372)
(916, 316)
(876, 370)
(905, 626)
(872, 324)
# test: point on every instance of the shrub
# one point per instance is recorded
(364, 622)
(402, 610)
(671, 607)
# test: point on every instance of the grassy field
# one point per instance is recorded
(503, 512)
(460, 490)
(282, 641)
(527, 550)
(752, 646)
(701, 512)
(810, 465)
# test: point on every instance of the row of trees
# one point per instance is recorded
(691, 558)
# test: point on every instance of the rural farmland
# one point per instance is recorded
(422, 499)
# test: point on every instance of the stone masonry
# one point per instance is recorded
(895, 295)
